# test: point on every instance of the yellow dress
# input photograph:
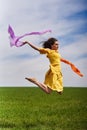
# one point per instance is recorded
(53, 77)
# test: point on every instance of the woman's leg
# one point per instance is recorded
(41, 85)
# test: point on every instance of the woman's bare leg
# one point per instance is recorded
(41, 85)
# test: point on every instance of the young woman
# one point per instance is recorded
(53, 78)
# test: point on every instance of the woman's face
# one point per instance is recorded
(55, 46)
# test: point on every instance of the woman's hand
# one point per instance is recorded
(76, 70)
(25, 42)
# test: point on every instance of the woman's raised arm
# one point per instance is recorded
(33, 46)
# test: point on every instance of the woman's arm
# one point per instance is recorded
(33, 46)
(73, 67)
(66, 61)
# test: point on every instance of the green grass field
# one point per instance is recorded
(29, 108)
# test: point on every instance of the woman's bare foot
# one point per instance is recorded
(33, 80)
(61, 92)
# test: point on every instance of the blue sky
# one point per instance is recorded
(68, 21)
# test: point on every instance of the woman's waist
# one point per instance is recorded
(55, 64)
(56, 67)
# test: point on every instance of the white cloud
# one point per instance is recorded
(75, 49)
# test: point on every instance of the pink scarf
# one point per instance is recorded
(14, 40)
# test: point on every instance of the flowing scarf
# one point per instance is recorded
(14, 40)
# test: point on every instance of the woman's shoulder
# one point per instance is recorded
(45, 50)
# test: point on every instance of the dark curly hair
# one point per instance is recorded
(49, 42)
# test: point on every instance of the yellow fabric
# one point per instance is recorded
(53, 77)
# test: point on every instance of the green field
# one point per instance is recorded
(29, 108)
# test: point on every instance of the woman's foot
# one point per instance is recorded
(33, 80)
(61, 92)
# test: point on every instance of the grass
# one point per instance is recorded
(23, 108)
